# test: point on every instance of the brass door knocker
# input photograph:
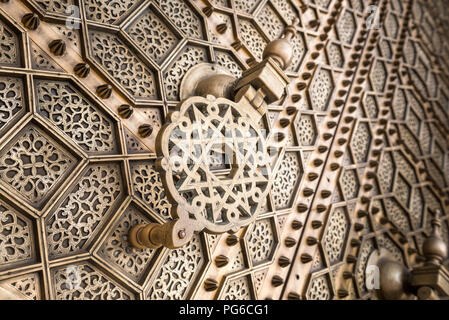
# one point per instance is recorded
(214, 161)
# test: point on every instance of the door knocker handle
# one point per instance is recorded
(213, 158)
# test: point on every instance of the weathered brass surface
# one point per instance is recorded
(359, 138)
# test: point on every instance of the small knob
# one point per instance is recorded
(281, 50)
(434, 248)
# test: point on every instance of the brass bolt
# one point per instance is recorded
(289, 242)
(221, 261)
(31, 21)
(82, 70)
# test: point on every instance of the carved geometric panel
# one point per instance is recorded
(117, 251)
(289, 173)
(78, 217)
(238, 289)
(71, 111)
(321, 89)
(84, 281)
(262, 241)
(12, 100)
(34, 164)
(179, 268)
(16, 237)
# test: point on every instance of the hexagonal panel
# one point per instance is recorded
(286, 179)
(117, 251)
(385, 242)
(262, 241)
(416, 208)
(299, 51)
(120, 62)
(400, 104)
(34, 164)
(153, 34)
(270, 22)
(306, 129)
(386, 171)
(410, 140)
(349, 182)
(385, 49)
(360, 142)
(176, 274)
(402, 190)
(76, 115)
(371, 106)
(346, 27)
(335, 55)
(378, 76)
(335, 234)
(319, 288)
(391, 25)
(321, 89)
(405, 166)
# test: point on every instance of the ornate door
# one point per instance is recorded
(85, 87)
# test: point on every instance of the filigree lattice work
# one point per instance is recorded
(9, 49)
(252, 38)
(133, 262)
(183, 16)
(15, 237)
(350, 184)
(11, 99)
(346, 27)
(270, 22)
(306, 128)
(335, 235)
(153, 35)
(177, 272)
(321, 89)
(28, 285)
(148, 187)
(238, 289)
(106, 11)
(78, 118)
(34, 164)
(361, 141)
(319, 289)
(59, 7)
(261, 241)
(285, 180)
(83, 281)
(122, 64)
(81, 212)
(189, 57)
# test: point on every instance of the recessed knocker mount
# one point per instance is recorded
(212, 156)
